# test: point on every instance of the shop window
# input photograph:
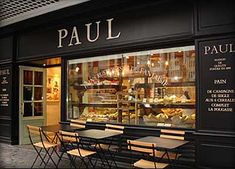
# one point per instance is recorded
(154, 87)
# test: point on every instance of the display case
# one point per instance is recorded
(170, 106)
(97, 102)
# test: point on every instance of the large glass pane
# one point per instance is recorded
(28, 77)
(38, 78)
(38, 109)
(154, 87)
(28, 93)
(38, 93)
(28, 109)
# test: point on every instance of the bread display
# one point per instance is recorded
(161, 117)
(137, 101)
(172, 112)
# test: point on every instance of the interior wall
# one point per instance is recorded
(53, 95)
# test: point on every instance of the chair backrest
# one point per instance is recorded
(34, 130)
(78, 123)
(67, 136)
(140, 146)
(115, 128)
(35, 134)
(172, 134)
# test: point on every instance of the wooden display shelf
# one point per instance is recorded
(149, 85)
(170, 105)
(104, 105)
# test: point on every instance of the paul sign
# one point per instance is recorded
(74, 38)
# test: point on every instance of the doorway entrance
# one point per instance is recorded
(39, 97)
(31, 99)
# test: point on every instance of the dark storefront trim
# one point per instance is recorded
(201, 22)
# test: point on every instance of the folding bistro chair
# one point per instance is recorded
(113, 128)
(147, 160)
(71, 145)
(170, 134)
(108, 145)
(41, 142)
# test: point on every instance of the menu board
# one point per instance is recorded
(5, 90)
(217, 84)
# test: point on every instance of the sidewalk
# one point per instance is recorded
(21, 156)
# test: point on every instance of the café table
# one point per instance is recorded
(57, 127)
(165, 144)
(97, 136)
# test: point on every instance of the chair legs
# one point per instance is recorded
(43, 158)
(39, 155)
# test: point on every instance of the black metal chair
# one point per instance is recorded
(147, 160)
(170, 134)
(71, 144)
(111, 146)
(40, 142)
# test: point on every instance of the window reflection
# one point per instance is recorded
(27, 93)
(155, 87)
(38, 78)
(38, 93)
(28, 109)
(38, 109)
(28, 77)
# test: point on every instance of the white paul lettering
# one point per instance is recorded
(216, 49)
(110, 30)
(88, 26)
(67, 38)
(74, 36)
(62, 34)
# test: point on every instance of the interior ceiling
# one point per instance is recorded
(44, 62)
(12, 11)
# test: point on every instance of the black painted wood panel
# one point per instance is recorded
(5, 127)
(215, 152)
(147, 24)
(6, 49)
(215, 17)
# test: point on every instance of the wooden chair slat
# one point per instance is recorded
(178, 132)
(172, 137)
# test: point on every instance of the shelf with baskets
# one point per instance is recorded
(171, 105)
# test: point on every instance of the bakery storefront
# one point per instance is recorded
(165, 64)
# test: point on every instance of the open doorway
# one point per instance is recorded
(39, 94)
(53, 93)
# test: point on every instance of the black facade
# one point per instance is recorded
(209, 25)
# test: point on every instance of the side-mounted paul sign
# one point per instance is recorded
(74, 37)
(217, 90)
(5, 90)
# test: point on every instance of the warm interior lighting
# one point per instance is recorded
(77, 69)
(166, 63)
(176, 78)
(148, 62)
